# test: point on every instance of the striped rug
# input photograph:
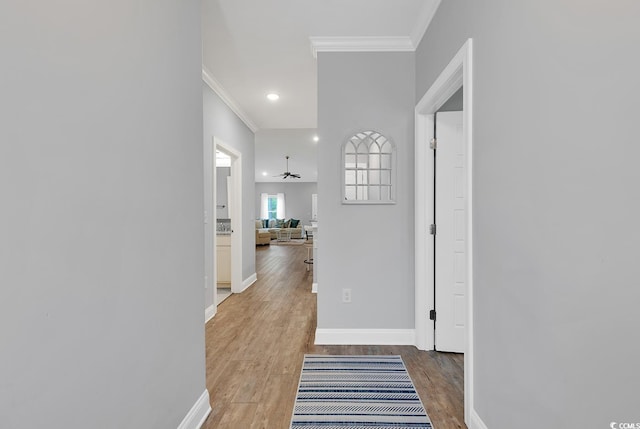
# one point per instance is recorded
(365, 392)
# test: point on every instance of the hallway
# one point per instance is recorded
(256, 341)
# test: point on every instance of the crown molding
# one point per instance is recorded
(208, 78)
(378, 44)
(423, 22)
(360, 44)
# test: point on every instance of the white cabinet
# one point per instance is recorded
(223, 258)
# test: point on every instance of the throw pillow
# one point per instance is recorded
(265, 223)
(272, 223)
(287, 223)
(259, 224)
(279, 223)
(294, 223)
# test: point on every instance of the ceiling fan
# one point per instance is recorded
(287, 173)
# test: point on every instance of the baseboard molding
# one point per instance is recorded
(475, 421)
(365, 336)
(249, 281)
(209, 312)
(314, 288)
(198, 413)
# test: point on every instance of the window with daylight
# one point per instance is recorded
(368, 159)
(272, 206)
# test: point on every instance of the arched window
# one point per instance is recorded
(368, 160)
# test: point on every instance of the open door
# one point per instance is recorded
(450, 233)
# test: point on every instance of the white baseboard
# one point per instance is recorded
(314, 288)
(249, 281)
(475, 421)
(209, 312)
(365, 336)
(198, 413)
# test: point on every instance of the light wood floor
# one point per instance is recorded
(256, 342)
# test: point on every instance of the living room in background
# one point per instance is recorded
(297, 197)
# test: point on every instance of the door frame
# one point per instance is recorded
(457, 74)
(236, 222)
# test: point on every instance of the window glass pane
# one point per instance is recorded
(374, 193)
(350, 177)
(362, 193)
(350, 161)
(363, 147)
(363, 161)
(350, 148)
(374, 177)
(385, 193)
(272, 206)
(362, 177)
(350, 193)
(385, 177)
(385, 161)
(374, 161)
(374, 148)
(386, 148)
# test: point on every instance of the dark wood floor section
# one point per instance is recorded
(256, 342)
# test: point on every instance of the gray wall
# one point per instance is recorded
(101, 256)
(454, 103)
(555, 205)
(221, 122)
(368, 248)
(297, 198)
(221, 192)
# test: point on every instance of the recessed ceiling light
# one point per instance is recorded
(273, 96)
(316, 138)
(264, 173)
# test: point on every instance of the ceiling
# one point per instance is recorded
(254, 47)
(273, 145)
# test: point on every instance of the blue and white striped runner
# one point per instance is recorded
(365, 392)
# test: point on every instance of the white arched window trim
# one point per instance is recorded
(368, 169)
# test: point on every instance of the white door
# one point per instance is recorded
(451, 236)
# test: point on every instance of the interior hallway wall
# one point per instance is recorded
(101, 256)
(555, 205)
(367, 248)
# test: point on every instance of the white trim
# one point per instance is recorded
(457, 73)
(475, 422)
(361, 44)
(198, 413)
(314, 287)
(249, 281)
(365, 336)
(428, 12)
(208, 78)
(209, 312)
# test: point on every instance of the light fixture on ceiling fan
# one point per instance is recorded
(287, 173)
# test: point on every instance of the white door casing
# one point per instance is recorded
(450, 238)
(458, 73)
(235, 207)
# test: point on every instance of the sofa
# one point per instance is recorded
(272, 226)
(263, 236)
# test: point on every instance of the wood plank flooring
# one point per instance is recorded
(256, 342)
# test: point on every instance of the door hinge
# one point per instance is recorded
(432, 229)
(433, 144)
(432, 315)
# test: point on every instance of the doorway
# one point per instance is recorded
(223, 225)
(456, 75)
